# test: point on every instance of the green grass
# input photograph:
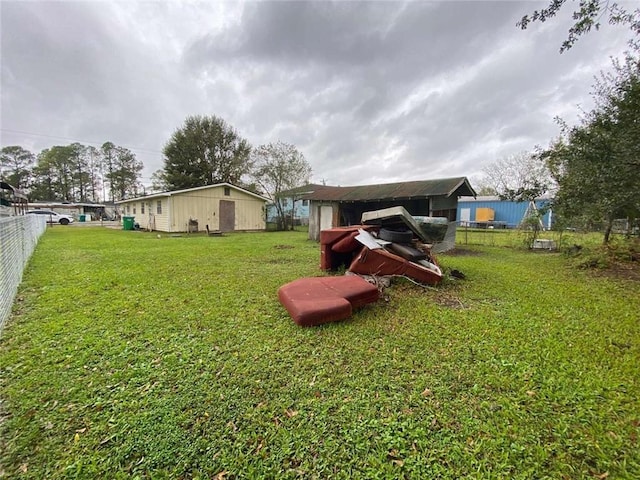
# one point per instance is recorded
(520, 238)
(132, 356)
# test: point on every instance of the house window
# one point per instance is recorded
(227, 191)
(142, 207)
(159, 207)
(134, 209)
(305, 203)
(128, 208)
(285, 202)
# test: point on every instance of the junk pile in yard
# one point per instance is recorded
(390, 242)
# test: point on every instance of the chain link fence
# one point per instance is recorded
(515, 237)
(18, 239)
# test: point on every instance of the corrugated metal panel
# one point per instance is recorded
(403, 190)
(444, 203)
(506, 211)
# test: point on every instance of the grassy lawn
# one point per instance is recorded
(130, 355)
(518, 238)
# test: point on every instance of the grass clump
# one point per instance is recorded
(621, 254)
(130, 355)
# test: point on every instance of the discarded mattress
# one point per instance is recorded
(436, 231)
(395, 218)
(317, 300)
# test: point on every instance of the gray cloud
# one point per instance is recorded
(368, 91)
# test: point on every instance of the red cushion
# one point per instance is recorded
(318, 300)
(381, 262)
(338, 246)
(347, 244)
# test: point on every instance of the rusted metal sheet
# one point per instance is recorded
(447, 187)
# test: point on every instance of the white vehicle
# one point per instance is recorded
(53, 217)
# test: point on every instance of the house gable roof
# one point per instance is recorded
(446, 187)
(195, 189)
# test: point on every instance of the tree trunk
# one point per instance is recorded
(607, 231)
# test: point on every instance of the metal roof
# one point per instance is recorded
(300, 191)
(195, 189)
(496, 198)
(446, 187)
(19, 194)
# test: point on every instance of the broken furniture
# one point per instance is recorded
(317, 300)
(338, 246)
(438, 232)
(390, 242)
(213, 233)
(382, 262)
(192, 226)
(394, 219)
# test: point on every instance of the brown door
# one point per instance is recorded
(227, 215)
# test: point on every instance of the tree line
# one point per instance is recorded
(205, 150)
(72, 173)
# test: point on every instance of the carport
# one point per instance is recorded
(332, 207)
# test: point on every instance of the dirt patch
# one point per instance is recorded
(462, 252)
(449, 300)
(623, 271)
(283, 247)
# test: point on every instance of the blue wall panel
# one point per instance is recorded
(507, 212)
(301, 210)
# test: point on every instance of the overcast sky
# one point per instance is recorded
(369, 92)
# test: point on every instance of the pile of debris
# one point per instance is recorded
(389, 242)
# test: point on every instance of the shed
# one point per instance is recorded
(472, 211)
(12, 200)
(224, 207)
(342, 206)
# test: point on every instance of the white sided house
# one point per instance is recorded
(222, 207)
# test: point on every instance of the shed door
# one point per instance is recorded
(326, 217)
(465, 216)
(227, 215)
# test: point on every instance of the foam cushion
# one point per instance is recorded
(318, 300)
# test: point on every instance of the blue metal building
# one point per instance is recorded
(506, 213)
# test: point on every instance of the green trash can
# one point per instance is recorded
(82, 217)
(127, 222)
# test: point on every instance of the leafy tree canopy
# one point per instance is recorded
(278, 167)
(15, 163)
(80, 173)
(597, 163)
(520, 177)
(122, 171)
(586, 17)
(205, 151)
